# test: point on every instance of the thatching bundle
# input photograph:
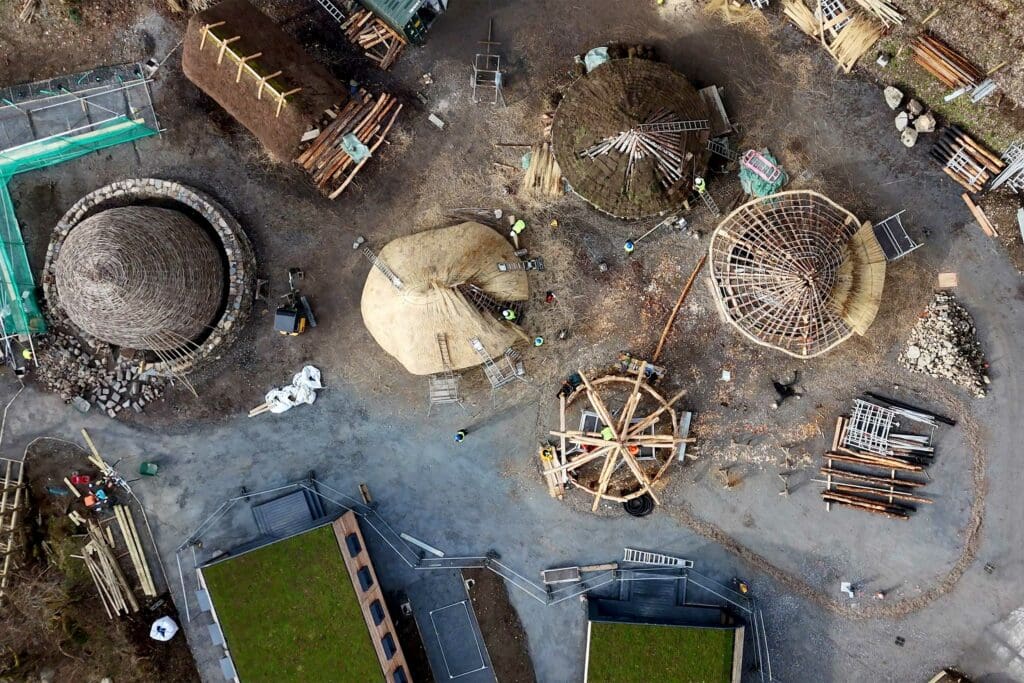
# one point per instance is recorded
(436, 267)
(140, 277)
(797, 272)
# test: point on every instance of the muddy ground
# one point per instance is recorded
(503, 632)
(59, 623)
(832, 133)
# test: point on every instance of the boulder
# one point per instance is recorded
(893, 96)
(915, 108)
(902, 121)
(925, 123)
(908, 137)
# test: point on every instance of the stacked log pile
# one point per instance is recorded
(369, 119)
(944, 344)
(379, 42)
(965, 160)
(885, 485)
(945, 63)
(115, 592)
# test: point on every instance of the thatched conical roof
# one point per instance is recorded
(140, 277)
(435, 267)
(797, 272)
(615, 98)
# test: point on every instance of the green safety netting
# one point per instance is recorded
(19, 307)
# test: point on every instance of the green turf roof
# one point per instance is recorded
(640, 653)
(289, 613)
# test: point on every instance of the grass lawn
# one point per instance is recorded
(289, 613)
(637, 653)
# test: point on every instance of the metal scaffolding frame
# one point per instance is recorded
(47, 123)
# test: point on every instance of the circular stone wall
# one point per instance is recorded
(149, 275)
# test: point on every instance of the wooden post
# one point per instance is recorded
(241, 65)
(281, 100)
(675, 309)
(206, 30)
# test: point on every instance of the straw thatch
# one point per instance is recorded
(797, 272)
(270, 51)
(614, 98)
(140, 277)
(435, 266)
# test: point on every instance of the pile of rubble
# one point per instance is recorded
(944, 344)
(69, 369)
(913, 120)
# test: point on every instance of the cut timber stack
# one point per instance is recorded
(881, 484)
(944, 63)
(884, 10)
(367, 118)
(964, 159)
(130, 534)
(379, 42)
(115, 593)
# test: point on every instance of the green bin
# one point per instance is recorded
(149, 469)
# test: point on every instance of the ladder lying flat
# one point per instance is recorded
(333, 10)
(761, 165)
(372, 257)
(654, 559)
(1013, 174)
(674, 126)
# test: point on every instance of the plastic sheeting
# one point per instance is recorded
(595, 58)
(301, 390)
(163, 629)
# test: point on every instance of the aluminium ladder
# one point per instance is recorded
(674, 126)
(654, 559)
(497, 375)
(721, 149)
(372, 257)
(443, 387)
(333, 10)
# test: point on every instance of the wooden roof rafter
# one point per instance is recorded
(630, 435)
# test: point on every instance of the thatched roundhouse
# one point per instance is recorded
(277, 68)
(140, 277)
(450, 281)
(797, 272)
(639, 99)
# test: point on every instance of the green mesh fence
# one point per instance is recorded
(19, 307)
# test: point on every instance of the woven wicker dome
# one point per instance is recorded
(436, 267)
(797, 272)
(140, 277)
(614, 98)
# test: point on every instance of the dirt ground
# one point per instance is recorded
(503, 632)
(832, 133)
(60, 622)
